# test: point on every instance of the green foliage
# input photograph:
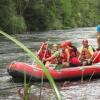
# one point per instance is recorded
(17, 24)
(6, 11)
(35, 15)
(56, 24)
(9, 20)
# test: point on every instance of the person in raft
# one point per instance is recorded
(60, 58)
(55, 47)
(44, 51)
(86, 53)
(74, 53)
(96, 56)
(53, 60)
(98, 35)
(66, 56)
(55, 52)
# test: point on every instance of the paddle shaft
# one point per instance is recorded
(96, 56)
(45, 52)
(40, 49)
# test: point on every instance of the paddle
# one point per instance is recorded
(40, 49)
(38, 52)
(45, 51)
(96, 56)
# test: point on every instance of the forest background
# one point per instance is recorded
(19, 16)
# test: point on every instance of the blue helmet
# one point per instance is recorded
(98, 28)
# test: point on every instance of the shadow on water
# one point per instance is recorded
(70, 90)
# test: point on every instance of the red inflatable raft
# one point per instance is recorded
(34, 72)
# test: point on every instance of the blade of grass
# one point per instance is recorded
(32, 56)
(25, 87)
(41, 87)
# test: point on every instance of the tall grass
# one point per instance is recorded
(84, 94)
(34, 57)
(27, 88)
(41, 87)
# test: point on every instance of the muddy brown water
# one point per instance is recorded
(69, 90)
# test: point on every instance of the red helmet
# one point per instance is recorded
(69, 43)
(64, 44)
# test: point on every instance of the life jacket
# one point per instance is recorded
(54, 61)
(90, 49)
(43, 53)
(73, 52)
(86, 53)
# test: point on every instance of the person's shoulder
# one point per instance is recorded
(98, 28)
(56, 53)
(92, 47)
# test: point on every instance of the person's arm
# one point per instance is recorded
(68, 54)
(48, 59)
(80, 55)
(56, 54)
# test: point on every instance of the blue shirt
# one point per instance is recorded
(98, 28)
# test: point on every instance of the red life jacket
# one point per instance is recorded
(53, 61)
(73, 52)
(74, 61)
(42, 54)
(63, 57)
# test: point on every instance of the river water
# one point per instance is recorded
(87, 90)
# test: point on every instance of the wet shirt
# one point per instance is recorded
(56, 54)
(98, 28)
(44, 54)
